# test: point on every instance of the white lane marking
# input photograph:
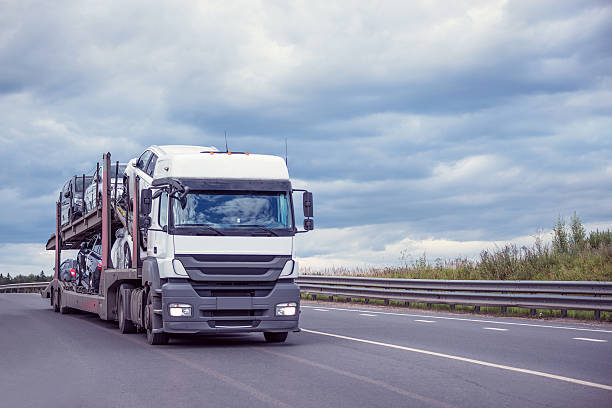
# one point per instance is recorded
(587, 339)
(466, 320)
(321, 310)
(467, 360)
(366, 314)
(494, 328)
(424, 321)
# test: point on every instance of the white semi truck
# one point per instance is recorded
(203, 242)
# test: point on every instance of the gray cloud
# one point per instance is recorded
(464, 120)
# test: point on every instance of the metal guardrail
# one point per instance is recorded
(23, 287)
(563, 295)
(532, 295)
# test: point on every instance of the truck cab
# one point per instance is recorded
(217, 241)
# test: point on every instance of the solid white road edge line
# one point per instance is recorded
(424, 321)
(366, 314)
(494, 328)
(587, 339)
(468, 360)
(321, 310)
(465, 320)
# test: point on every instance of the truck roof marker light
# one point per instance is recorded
(229, 152)
(212, 152)
(247, 153)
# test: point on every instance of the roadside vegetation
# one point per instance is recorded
(41, 277)
(571, 255)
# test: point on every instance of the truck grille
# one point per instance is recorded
(204, 268)
(233, 289)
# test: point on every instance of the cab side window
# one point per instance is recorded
(163, 210)
(151, 166)
(144, 160)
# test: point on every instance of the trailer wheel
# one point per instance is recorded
(125, 325)
(154, 338)
(62, 309)
(54, 302)
(275, 337)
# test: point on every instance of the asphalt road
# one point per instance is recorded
(344, 357)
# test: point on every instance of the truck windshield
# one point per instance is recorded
(232, 209)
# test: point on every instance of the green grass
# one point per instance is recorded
(572, 255)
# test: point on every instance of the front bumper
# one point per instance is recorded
(228, 314)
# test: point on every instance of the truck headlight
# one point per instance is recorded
(286, 309)
(290, 270)
(179, 269)
(179, 310)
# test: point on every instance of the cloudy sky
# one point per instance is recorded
(422, 126)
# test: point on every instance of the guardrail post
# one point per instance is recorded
(563, 312)
(532, 312)
(476, 308)
(386, 302)
(331, 298)
(451, 307)
(596, 312)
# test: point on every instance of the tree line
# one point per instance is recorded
(41, 277)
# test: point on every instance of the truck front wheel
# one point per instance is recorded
(275, 337)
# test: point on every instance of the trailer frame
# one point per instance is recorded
(101, 220)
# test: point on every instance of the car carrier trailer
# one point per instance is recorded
(192, 278)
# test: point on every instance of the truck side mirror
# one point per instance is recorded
(146, 201)
(308, 224)
(144, 221)
(307, 201)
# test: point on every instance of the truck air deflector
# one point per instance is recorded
(228, 184)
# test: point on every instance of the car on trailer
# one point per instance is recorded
(69, 270)
(72, 206)
(93, 193)
(89, 259)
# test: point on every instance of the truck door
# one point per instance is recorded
(159, 245)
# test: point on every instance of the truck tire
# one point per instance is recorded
(154, 337)
(275, 337)
(125, 325)
(54, 301)
(62, 309)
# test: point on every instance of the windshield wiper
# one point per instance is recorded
(207, 226)
(256, 226)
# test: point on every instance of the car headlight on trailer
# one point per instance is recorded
(179, 310)
(290, 270)
(286, 309)
(179, 269)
